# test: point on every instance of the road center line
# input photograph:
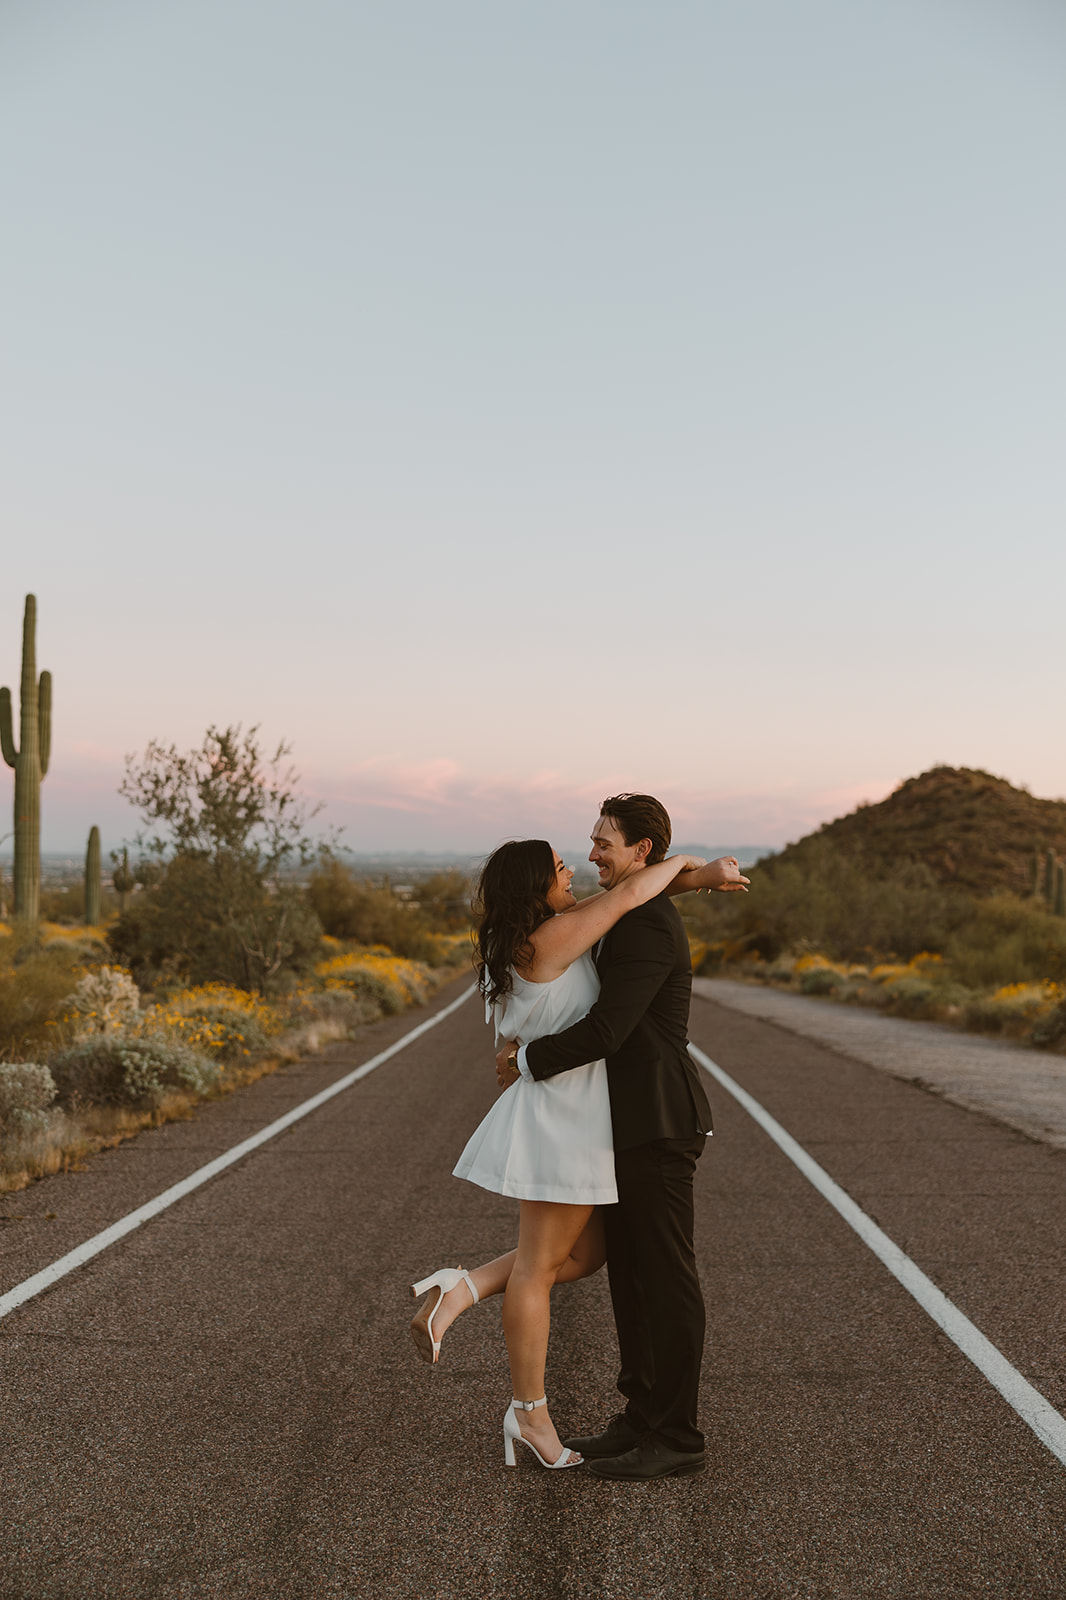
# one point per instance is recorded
(118, 1230)
(1038, 1413)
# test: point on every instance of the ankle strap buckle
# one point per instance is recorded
(530, 1405)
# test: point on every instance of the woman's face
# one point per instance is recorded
(560, 895)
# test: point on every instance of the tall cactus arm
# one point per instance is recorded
(44, 719)
(7, 730)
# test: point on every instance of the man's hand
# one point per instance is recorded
(506, 1070)
(723, 874)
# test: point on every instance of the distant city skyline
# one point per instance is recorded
(509, 405)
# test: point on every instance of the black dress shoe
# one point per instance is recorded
(619, 1435)
(649, 1459)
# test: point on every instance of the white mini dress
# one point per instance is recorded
(549, 1140)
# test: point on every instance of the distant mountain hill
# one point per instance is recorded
(972, 830)
(746, 854)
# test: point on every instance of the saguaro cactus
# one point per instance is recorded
(122, 878)
(1060, 890)
(92, 879)
(1049, 878)
(30, 762)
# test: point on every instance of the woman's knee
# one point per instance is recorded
(525, 1274)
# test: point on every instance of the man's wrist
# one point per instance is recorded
(521, 1067)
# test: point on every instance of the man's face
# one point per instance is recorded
(610, 854)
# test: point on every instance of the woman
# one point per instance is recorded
(549, 1143)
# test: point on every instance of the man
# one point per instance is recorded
(660, 1119)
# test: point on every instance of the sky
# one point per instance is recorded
(508, 404)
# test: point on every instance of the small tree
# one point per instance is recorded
(228, 832)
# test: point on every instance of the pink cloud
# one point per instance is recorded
(439, 804)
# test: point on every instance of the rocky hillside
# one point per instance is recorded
(973, 831)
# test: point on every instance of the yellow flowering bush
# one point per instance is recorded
(216, 1018)
(393, 982)
(1030, 997)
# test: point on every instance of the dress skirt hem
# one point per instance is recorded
(513, 1190)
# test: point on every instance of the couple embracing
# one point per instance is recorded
(597, 1135)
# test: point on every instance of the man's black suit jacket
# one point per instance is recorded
(639, 1025)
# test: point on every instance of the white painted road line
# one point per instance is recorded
(1038, 1413)
(100, 1241)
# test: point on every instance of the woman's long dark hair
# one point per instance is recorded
(512, 895)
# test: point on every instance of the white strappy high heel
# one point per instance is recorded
(446, 1279)
(513, 1434)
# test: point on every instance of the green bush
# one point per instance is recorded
(189, 928)
(1007, 940)
(378, 990)
(1050, 1029)
(351, 909)
(33, 995)
(26, 1092)
(833, 902)
(117, 1069)
(820, 980)
(908, 996)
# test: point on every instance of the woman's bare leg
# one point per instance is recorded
(586, 1257)
(489, 1279)
(589, 1252)
(547, 1236)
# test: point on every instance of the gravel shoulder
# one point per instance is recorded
(1021, 1088)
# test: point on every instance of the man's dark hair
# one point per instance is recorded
(640, 816)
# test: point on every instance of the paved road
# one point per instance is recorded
(225, 1404)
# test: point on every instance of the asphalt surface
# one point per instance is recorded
(227, 1403)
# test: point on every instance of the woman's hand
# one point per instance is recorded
(506, 1070)
(724, 875)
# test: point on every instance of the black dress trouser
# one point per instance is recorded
(655, 1288)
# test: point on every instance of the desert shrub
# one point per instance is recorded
(1049, 1029)
(836, 903)
(121, 1068)
(222, 1021)
(192, 927)
(379, 976)
(820, 980)
(452, 950)
(349, 908)
(226, 1033)
(33, 996)
(340, 1004)
(444, 901)
(909, 995)
(1013, 1009)
(26, 1092)
(104, 1001)
(1007, 941)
